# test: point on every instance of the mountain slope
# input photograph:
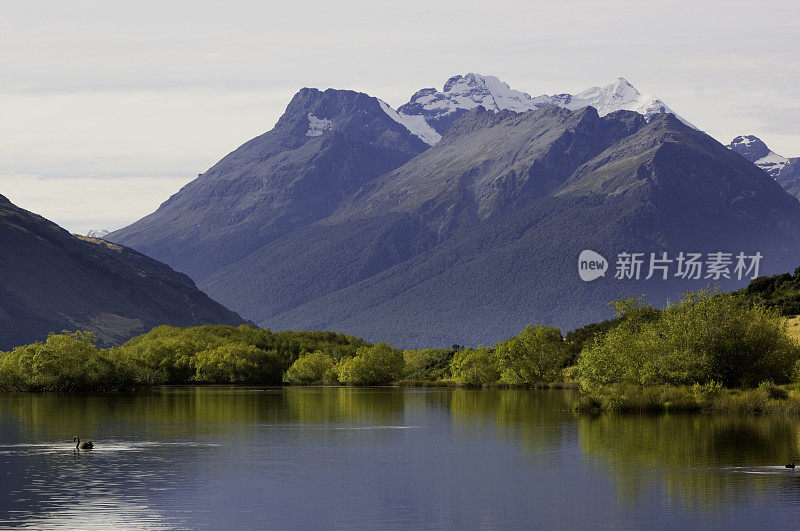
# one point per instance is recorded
(463, 93)
(480, 234)
(52, 280)
(487, 163)
(324, 147)
(665, 188)
(785, 170)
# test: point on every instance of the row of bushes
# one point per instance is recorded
(705, 337)
(536, 355)
(372, 365)
(246, 355)
(166, 355)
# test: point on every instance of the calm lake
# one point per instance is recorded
(384, 458)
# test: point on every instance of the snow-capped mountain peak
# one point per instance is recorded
(472, 90)
(756, 151)
(618, 96)
(618, 93)
(97, 233)
(462, 93)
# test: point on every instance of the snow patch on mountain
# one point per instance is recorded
(317, 126)
(97, 233)
(773, 161)
(414, 123)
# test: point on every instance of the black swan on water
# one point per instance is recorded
(88, 445)
(790, 465)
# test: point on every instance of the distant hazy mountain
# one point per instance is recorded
(98, 233)
(462, 93)
(324, 147)
(785, 170)
(343, 217)
(52, 280)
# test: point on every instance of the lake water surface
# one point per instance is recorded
(385, 458)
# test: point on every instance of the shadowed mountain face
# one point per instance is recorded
(473, 238)
(325, 146)
(52, 281)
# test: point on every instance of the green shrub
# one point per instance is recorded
(705, 337)
(428, 363)
(773, 391)
(474, 367)
(705, 394)
(236, 364)
(376, 365)
(64, 362)
(569, 374)
(311, 368)
(537, 354)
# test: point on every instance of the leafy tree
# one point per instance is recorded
(428, 363)
(705, 337)
(475, 367)
(728, 340)
(537, 354)
(236, 364)
(310, 368)
(781, 292)
(64, 362)
(379, 364)
(635, 309)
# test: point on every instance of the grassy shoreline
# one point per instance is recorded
(766, 399)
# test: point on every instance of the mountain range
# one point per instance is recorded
(459, 217)
(53, 280)
(785, 170)
(462, 93)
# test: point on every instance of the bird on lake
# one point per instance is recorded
(790, 465)
(87, 445)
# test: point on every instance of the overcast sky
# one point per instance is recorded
(109, 107)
